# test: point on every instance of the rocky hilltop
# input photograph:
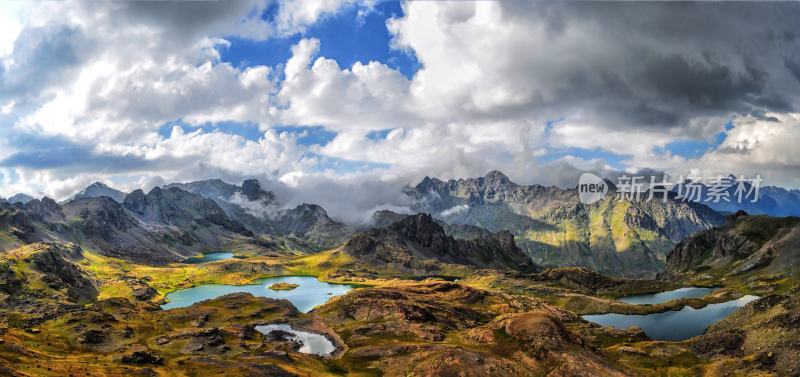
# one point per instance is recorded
(554, 228)
(746, 245)
(159, 227)
(261, 212)
(756, 254)
(419, 244)
(98, 189)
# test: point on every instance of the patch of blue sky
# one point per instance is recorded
(8, 176)
(58, 152)
(379, 134)
(612, 159)
(342, 166)
(348, 36)
(249, 131)
(309, 135)
(697, 148)
(548, 127)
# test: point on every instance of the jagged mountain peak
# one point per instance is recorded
(418, 244)
(744, 245)
(20, 198)
(427, 183)
(223, 192)
(555, 228)
(496, 176)
(420, 227)
(252, 190)
(98, 189)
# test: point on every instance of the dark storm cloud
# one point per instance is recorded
(67, 157)
(43, 57)
(184, 21)
(666, 63)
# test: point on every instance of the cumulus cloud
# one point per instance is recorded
(763, 145)
(500, 85)
(296, 15)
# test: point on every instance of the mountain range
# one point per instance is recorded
(746, 244)
(98, 189)
(502, 313)
(158, 227)
(771, 200)
(612, 236)
(548, 224)
(417, 244)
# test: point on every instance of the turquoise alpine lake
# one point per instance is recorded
(657, 298)
(310, 343)
(673, 325)
(210, 257)
(309, 293)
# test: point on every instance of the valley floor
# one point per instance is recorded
(71, 312)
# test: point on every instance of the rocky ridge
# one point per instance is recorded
(612, 236)
(419, 244)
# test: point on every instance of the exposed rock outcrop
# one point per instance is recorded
(748, 244)
(418, 243)
(612, 236)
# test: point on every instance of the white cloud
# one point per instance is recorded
(493, 74)
(755, 146)
(296, 15)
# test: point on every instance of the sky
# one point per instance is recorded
(326, 98)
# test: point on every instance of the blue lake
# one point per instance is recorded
(310, 343)
(673, 325)
(310, 292)
(210, 257)
(657, 298)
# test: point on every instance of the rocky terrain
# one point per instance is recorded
(623, 238)
(261, 212)
(747, 245)
(434, 329)
(98, 189)
(396, 329)
(554, 228)
(81, 283)
(418, 244)
(158, 227)
(763, 336)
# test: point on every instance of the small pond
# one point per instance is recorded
(657, 298)
(673, 325)
(311, 343)
(309, 293)
(210, 257)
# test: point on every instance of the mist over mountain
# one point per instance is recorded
(549, 224)
(261, 211)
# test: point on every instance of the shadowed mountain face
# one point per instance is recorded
(555, 229)
(418, 244)
(158, 227)
(173, 206)
(748, 244)
(261, 212)
(20, 198)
